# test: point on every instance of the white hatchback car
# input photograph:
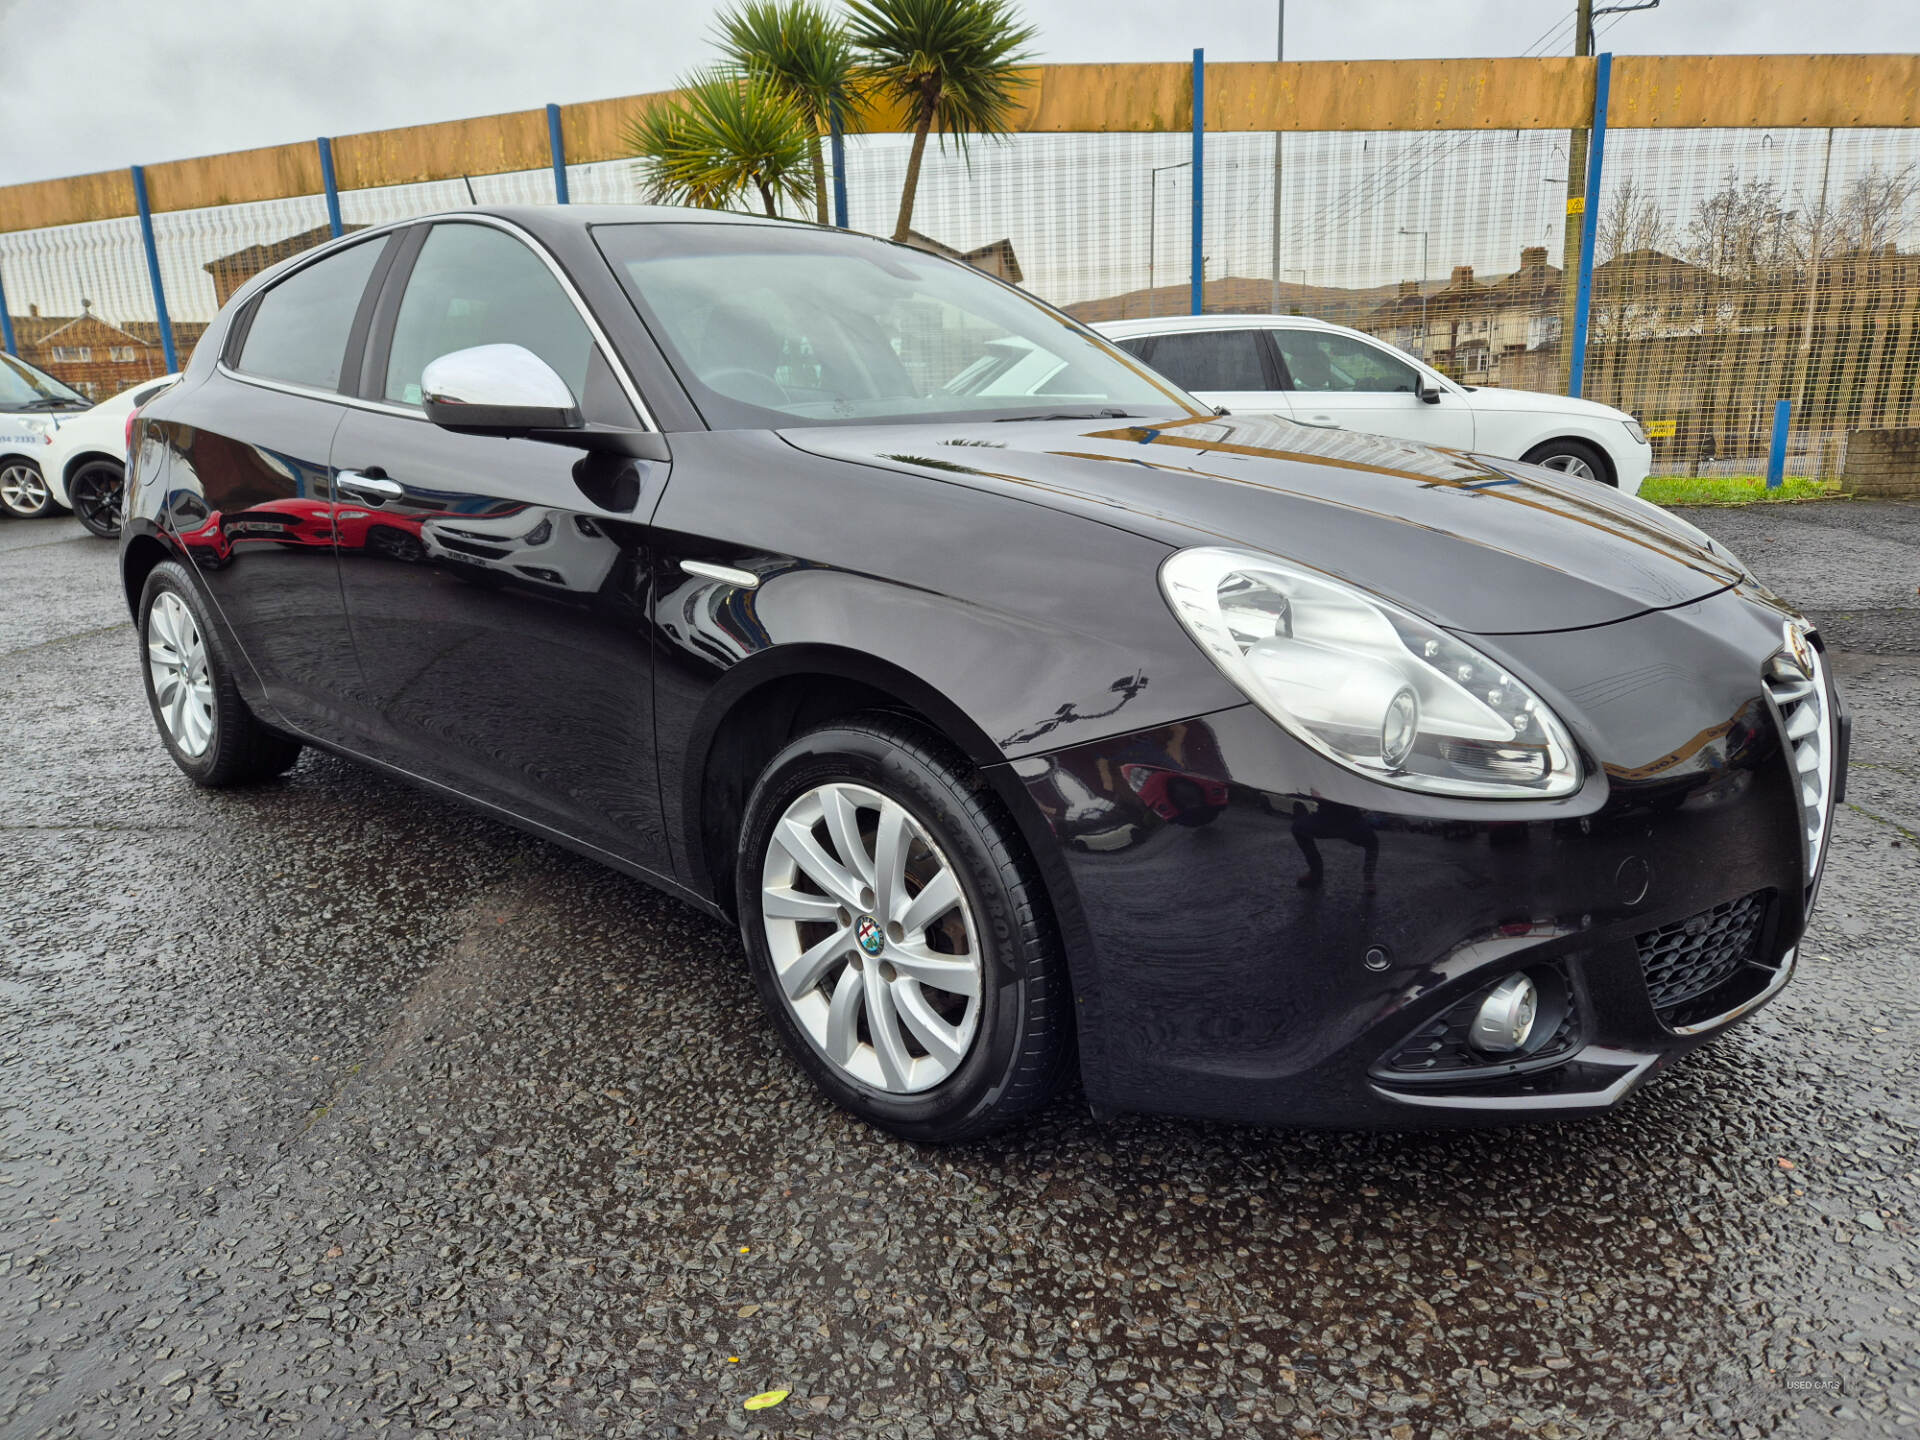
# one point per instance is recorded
(86, 460)
(1328, 375)
(32, 404)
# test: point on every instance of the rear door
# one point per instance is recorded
(1231, 366)
(250, 497)
(499, 613)
(1343, 382)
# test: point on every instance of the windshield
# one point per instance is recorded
(778, 325)
(22, 387)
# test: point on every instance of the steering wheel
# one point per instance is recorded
(759, 389)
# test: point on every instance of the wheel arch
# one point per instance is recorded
(137, 558)
(1562, 436)
(769, 698)
(88, 457)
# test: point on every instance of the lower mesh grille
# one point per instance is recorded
(1696, 967)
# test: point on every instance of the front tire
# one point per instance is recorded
(24, 492)
(898, 933)
(95, 492)
(1572, 457)
(205, 725)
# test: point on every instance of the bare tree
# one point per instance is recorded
(1632, 220)
(1872, 212)
(1744, 233)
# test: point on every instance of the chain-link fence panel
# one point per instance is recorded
(81, 304)
(1448, 245)
(1737, 268)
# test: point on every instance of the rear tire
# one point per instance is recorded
(205, 725)
(94, 493)
(1572, 457)
(887, 1027)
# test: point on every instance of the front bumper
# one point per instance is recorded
(1262, 958)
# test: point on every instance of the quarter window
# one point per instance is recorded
(474, 285)
(1212, 360)
(299, 328)
(1320, 361)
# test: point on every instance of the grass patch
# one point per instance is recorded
(1734, 489)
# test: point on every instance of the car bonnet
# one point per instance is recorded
(1480, 545)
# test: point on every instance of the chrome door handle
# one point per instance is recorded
(368, 484)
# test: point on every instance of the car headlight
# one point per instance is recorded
(1636, 430)
(1366, 684)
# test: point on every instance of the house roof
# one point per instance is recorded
(255, 258)
(995, 255)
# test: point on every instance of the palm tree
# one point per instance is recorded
(722, 134)
(951, 63)
(804, 52)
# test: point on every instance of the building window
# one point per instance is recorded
(124, 354)
(73, 354)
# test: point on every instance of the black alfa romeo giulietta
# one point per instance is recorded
(1029, 717)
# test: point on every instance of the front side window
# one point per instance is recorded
(475, 285)
(776, 325)
(1320, 361)
(1212, 359)
(299, 328)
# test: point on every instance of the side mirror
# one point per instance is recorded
(1430, 394)
(497, 390)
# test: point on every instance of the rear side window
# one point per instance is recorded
(1212, 360)
(299, 328)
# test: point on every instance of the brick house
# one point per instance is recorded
(1481, 332)
(230, 272)
(95, 356)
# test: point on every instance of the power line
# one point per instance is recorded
(1345, 206)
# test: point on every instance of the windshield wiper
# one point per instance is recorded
(55, 402)
(1072, 415)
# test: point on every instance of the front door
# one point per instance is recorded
(500, 614)
(1343, 382)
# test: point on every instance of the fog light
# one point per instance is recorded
(1506, 1016)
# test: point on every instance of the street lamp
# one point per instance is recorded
(1423, 286)
(1153, 233)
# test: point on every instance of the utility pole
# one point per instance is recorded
(1575, 214)
(1279, 53)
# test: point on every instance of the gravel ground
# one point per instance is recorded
(328, 1107)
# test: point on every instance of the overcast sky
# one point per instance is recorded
(97, 84)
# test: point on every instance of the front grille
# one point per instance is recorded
(1708, 963)
(1796, 678)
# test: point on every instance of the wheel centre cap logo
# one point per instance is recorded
(868, 933)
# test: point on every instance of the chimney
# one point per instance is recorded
(1533, 256)
(1409, 287)
(1462, 277)
(33, 312)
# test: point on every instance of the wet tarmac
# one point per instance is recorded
(330, 1109)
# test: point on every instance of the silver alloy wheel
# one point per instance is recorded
(23, 489)
(872, 940)
(182, 687)
(1570, 464)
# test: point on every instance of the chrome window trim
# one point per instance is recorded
(312, 392)
(615, 361)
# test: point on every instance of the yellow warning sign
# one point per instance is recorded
(1661, 429)
(1576, 205)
